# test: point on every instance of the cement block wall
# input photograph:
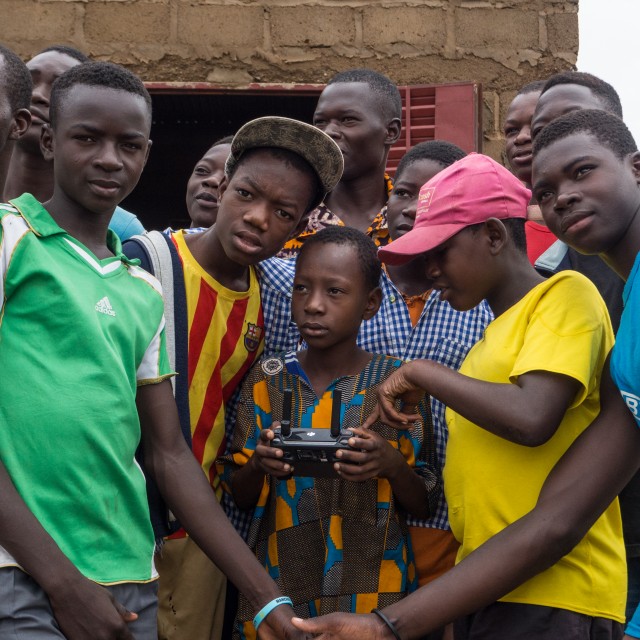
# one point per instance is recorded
(501, 43)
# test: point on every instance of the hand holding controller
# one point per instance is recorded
(369, 456)
(268, 459)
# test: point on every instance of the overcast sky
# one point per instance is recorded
(609, 49)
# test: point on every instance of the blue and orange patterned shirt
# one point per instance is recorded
(330, 544)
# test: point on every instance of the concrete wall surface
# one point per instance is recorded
(501, 43)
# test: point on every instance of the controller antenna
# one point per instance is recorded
(285, 423)
(335, 413)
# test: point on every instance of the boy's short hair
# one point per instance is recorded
(515, 228)
(217, 143)
(531, 87)
(607, 95)
(348, 236)
(225, 140)
(95, 74)
(16, 79)
(609, 130)
(386, 91)
(303, 145)
(440, 151)
(72, 52)
(467, 193)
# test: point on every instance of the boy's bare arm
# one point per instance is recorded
(190, 497)
(583, 483)
(82, 608)
(527, 412)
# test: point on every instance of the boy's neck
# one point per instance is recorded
(29, 173)
(518, 277)
(87, 227)
(622, 257)
(210, 255)
(323, 366)
(357, 202)
(410, 278)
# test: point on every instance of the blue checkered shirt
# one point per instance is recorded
(441, 334)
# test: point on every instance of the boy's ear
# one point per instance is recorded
(496, 234)
(394, 129)
(635, 165)
(146, 155)
(46, 142)
(21, 122)
(373, 303)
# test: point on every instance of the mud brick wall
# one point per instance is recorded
(501, 43)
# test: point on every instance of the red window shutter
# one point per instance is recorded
(439, 112)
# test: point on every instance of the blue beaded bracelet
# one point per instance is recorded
(268, 608)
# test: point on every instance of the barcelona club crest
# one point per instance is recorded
(252, 337)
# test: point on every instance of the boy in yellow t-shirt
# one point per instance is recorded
(524, 393)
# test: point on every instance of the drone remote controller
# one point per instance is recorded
(311, 452)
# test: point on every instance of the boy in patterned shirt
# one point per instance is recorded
(337, 544)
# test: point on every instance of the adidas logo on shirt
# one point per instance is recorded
(104, 306)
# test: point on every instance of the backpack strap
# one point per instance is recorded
(155, 245)
(159, 256)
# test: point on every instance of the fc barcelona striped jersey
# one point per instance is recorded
(226, 335)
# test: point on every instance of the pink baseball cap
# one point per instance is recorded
(470, 191)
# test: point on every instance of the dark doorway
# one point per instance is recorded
(185, 124)
(189, 117)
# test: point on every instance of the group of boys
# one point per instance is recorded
(585, 169)
(98, 531)
(231, 302)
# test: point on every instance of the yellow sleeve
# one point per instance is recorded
(569, 333)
